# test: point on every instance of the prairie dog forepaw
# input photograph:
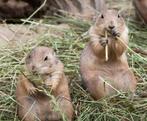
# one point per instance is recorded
(103, 41)
(31, 90)
(115, 33)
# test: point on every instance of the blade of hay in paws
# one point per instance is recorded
(106, 47)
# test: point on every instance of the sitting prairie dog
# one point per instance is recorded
(35, 105)
(103, 78)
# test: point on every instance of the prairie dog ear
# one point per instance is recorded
(28, 58)
(122, 13)
(30, 55)
(52, 51)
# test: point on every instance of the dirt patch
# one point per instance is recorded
(10, 34)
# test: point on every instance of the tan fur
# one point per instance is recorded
(141, 9)
(95, 70)
(37, 103)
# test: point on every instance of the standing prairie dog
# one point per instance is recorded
(35, 105)
(103, 78)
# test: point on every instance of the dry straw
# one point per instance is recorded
(106, 47)
(115, 108)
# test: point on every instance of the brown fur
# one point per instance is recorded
(115, 71)
(34, 104)
(141, 9)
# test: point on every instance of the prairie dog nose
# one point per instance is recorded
(111, 26)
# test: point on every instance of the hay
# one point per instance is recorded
(68, 47)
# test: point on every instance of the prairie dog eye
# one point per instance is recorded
(29, 56)
(102, 16)
(118, 16)
(28, 59)
(46, 58)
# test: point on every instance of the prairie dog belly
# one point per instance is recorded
(116, 81)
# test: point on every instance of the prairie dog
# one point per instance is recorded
(43, 61)
(102, 78)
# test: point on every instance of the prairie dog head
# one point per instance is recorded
(109, 20)
(40, 60)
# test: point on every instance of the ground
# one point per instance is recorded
(68, 41)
